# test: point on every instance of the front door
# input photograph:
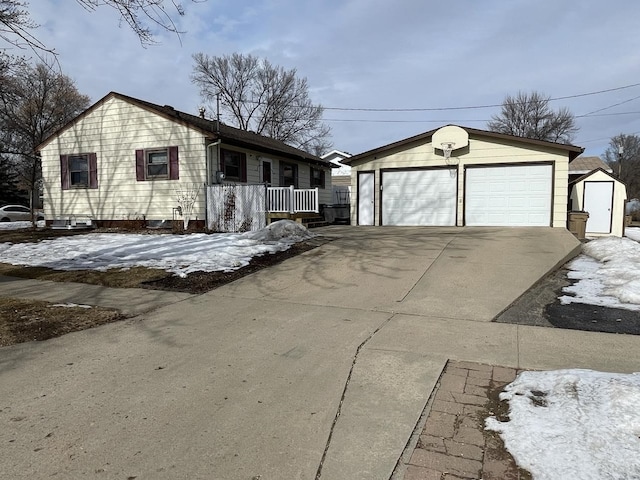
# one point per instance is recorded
(598, 202)
(365, 198)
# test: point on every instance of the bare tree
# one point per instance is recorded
(34, 102)
(623, 155)
(142, 16)
(263, 98)
(530, 116)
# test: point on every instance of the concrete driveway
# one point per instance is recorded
(317, 368)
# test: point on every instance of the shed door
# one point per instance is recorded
(514, 195)
(419, 197)
(598, 201)
(365, 198)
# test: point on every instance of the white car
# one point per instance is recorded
(17, 213)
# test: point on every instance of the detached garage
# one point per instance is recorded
(465, 177)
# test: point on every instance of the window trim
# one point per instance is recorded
(312, 180)
(142, 163)
(66, 172)
(242, 165)
(85, 158)
(294, 167)
(147, 163)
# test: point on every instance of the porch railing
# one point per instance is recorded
(292, 200)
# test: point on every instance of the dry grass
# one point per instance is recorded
(132, 278)
(29, 320)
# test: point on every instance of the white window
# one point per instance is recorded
(79, 170)
(157, 163)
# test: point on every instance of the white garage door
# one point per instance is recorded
(508, 196)
(419, 197)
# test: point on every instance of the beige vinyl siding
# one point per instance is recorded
(114, 130)
(481, 151)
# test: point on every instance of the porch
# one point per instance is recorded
(239, 208)
(300, 205)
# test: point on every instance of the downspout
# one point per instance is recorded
(208, 182)
(217, 145)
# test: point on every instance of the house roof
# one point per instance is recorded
(218, 131)
(572, 150)
(582, 165)
(336, 153)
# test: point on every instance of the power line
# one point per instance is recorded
(607, 108)
(471, 107)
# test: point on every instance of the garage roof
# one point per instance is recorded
(572, 150)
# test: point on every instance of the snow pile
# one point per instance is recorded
(178, 254)
(282, 230)
(608, 274)
(573, 424)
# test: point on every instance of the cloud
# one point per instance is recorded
(377, 54)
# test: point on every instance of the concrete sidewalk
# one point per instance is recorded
(316, 368)
(130, 301)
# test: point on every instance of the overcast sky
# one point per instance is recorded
(375, 54)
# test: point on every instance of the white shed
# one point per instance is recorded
(602, 196)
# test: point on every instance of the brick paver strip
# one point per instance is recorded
(447, 407)
(462, 372)
(472, 367)
(475, 390)
(469, 399)
(452, 383)
(435, 444)
(465, 450)
(452, 444)
(420, 473)
(479, 381)
(440, 424)
(446, 463)
(504, 374)
(469, 435)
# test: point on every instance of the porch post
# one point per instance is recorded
(292, 199)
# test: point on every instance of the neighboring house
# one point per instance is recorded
(125, 159)
(340, 176)
(583, 165)
(464, 177)
(603, 197)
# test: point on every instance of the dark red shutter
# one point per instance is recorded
(322, 179)
(93, 170)
(64, 171)
(243, 168)
(174, 170)
(140, 165)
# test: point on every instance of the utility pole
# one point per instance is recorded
(218, 112)
(620, 153)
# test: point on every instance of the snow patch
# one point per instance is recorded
(607, 274)
(177, 254)
(573, 424)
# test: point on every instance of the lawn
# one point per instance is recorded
(193, 263)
